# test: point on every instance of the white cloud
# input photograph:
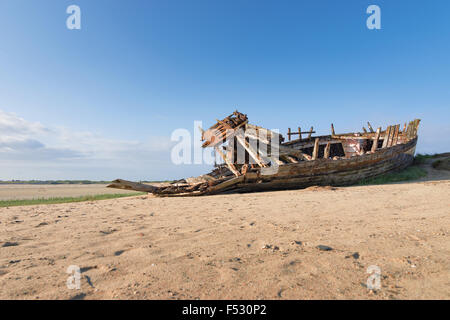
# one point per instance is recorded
(30, 150)
(11, 124)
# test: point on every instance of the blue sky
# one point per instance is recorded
(102, 102)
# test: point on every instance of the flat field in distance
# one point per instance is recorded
(33, 191)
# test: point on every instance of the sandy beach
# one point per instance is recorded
(236, 246)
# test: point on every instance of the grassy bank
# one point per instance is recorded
(12, 203)
(422, 158)
(408, 174)
(413, 172)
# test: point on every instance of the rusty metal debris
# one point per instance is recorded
(248, 150)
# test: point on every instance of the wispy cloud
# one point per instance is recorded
(11, 124)
(33, 150)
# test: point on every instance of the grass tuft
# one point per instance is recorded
(408, 174)
(29, 202)
(437, 163)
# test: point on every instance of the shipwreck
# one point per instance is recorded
(258, 159)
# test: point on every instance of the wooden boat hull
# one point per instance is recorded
(333, 160)
(331, 172)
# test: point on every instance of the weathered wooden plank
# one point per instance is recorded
(217, 134)
(391, 136)
(395, 136)
(410, 130)
(129, 185)
(254, 154)
(305, 143)
(326, 152)
(416, 126)
(353, 137)
(268, 133)
(283, 150)
(260, 134)
(230, 165)
(226, 184)
(310, 132)
(370, 127)
(332, 130)
(386, 137)
(375, 141)
(316, 149)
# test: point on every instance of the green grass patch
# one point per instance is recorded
(422, 158)
(441, 164)
(437, 163)
(408, 174)
(29, 202)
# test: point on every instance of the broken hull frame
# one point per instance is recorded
(328, 172)
(390, 150)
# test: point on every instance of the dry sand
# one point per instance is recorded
(237, 246)
(33, 191)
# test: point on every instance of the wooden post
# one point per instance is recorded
(289, 134)
(391, 136)
(326, 153)
(388, 142)
(365, 130)
(404, 128)
(386, 137)
(316, 149)
(370, 127)
(409, 130)
(395, 136)
(375, 141)
(299, 133)
(310, 132)
(416, 126)
(332, 130)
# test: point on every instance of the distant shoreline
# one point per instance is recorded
(57, 182)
